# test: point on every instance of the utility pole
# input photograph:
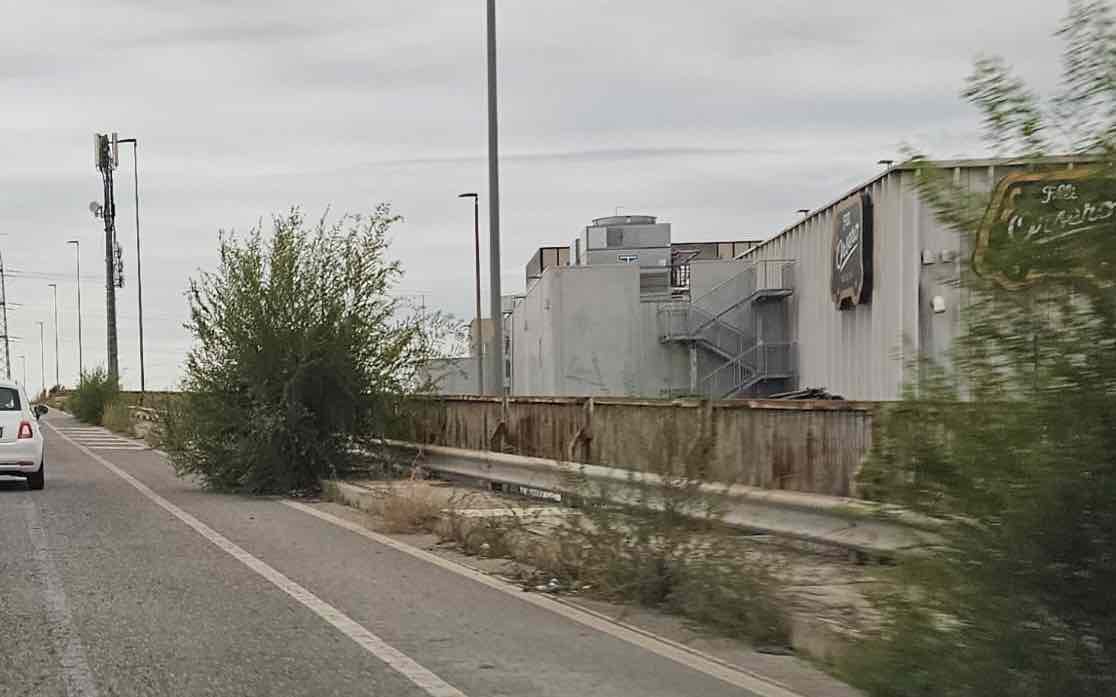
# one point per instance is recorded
(57, 364)
(497, 361)
(139, 275)
(106, 152)
(4, 319)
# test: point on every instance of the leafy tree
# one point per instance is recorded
(300, 354)
(1015, 440)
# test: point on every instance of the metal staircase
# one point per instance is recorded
(725, 324)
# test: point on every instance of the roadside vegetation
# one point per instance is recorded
(118, 417)
(663, 548)
(96, 390)
(301, 355)
(666, 548)
(1020, 599)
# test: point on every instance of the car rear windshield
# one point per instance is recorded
(9, 399)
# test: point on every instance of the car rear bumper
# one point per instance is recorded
(21, 457)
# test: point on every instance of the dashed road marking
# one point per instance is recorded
(374, 645)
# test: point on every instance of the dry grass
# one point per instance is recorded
(118, 418)
(411, 509)
(480, 536)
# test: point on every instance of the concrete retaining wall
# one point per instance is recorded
(813, 447)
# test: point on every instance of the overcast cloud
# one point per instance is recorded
(721, 116)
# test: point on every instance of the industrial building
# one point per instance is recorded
(844, 300)
(861, 342)
(634, 313)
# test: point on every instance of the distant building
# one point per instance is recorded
(844, 300)
(618, 319)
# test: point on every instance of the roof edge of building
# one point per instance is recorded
(914, 165)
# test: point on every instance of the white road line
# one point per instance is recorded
(75, 671)
(400, 662)
(679, 653)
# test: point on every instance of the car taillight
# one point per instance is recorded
(25, 430)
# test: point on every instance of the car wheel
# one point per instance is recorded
(37, 480)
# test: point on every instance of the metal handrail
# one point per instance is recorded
(752, 266)
(749, 367)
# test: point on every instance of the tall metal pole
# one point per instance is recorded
(139, 274)
(57, 364)
(497, 352)
(23, 358)
(81, 358)
(4, 308)
(480, 323)
(106, 162)
(479, 348)
(42, 360)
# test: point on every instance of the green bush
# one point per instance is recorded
(94, 392)
(300, 356)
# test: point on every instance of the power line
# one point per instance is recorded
(49, 275)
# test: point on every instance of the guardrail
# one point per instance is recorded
(854, 524)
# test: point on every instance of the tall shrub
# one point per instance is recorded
(300, 354)
(1016, 440)
(95, 390)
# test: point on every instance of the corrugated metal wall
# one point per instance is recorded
(866, 353)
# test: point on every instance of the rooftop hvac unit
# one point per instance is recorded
(627, 236)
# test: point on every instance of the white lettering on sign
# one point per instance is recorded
(1048, 227)
(847, 245)
(1059, 192)
(627, 258)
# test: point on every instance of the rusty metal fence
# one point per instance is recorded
(812, 447)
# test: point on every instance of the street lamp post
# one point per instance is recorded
(42, 360)
(57, 369)
(23, 359)
(497, 360)
(480, 326)
(139, 275)
(77, 251)
(4, 320)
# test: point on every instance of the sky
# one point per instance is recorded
(722, 117)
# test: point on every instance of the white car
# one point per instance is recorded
(21, 439)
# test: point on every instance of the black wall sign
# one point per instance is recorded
(851, 262)
(1045, 223)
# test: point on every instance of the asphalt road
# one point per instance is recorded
(121, 579)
